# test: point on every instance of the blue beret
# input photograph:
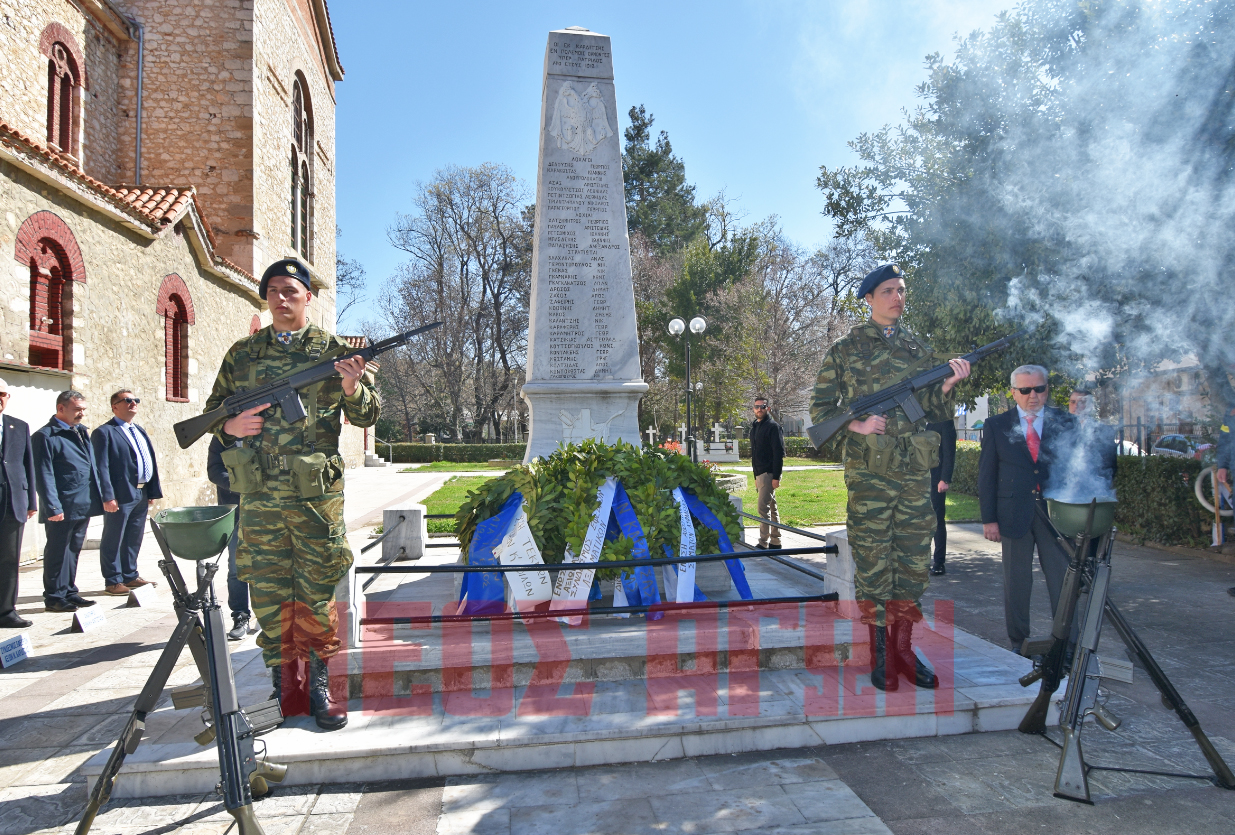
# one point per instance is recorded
(289, 268)
(878, 276)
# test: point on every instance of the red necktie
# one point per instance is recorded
(1031, 438)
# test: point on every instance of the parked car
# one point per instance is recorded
(1127, 448)
(1175, 446)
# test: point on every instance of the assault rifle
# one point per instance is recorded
(901, 394)
(285, 391)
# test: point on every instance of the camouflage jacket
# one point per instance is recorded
(864, 361)
(259, 359)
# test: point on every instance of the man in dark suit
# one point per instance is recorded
(17, 504)
(941, 480)
(69, 494)
(129, 480)
(1014, 466)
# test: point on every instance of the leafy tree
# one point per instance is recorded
(1069, 168)
(660, 204)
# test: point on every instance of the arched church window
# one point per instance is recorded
(63, 79)
(302, 171)
(176, 307)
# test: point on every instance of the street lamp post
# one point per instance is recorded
(677, 328)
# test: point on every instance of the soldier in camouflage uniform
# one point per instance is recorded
(293, 547)
(887, 473)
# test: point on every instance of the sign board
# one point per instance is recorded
(85, 620)
(143, 596)
(15, 650)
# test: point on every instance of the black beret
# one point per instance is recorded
(289, 267)
(876, 277)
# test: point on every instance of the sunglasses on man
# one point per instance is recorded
(132, 401)
(1027, 389)
(760, 407)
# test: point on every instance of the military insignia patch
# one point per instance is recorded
(284, 338)
(896, 270)
(291, 268)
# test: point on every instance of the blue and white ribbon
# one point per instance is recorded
(573, 587)
(680, 578)
(484, 591)
(707, 517)
(525, 589)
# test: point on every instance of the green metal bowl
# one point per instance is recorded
(1070, 518)
(197, 533)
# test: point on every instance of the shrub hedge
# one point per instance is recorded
(457, 453)
(1156, 502)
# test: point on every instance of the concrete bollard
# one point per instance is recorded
(839, 570)
(407, 541)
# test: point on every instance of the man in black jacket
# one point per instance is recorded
(1014, 467)
(69, 494)
(941, 479)
(767, 457)
(17, 504)
(237, 589)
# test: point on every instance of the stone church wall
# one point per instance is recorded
(117, 333)
(23, 83)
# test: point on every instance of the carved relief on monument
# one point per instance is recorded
(579, 123)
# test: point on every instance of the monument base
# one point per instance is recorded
(569, 412)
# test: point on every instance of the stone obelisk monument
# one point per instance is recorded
(583, 377)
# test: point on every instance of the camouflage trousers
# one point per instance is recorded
(890, 524)
(292, 552)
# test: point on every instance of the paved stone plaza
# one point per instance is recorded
(68, 702)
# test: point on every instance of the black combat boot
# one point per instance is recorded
(907, 661)
(289, 689)
(330, 715)
(883, 662)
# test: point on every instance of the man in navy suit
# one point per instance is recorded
(68, 485)
(1014, 467)
(129, 480)
(17, 504)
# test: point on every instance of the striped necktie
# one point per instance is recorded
(143, 466)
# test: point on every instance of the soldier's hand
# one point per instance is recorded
(247, 423)
(960, 370)
(990, 530)
(351, 370)
(873, 425)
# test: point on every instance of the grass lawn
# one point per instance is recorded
(451, 467)
(448, 498)
(789, 462)
(818, 498)
(804, 499)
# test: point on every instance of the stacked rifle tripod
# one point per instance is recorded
(1089, 577)
(200, 534)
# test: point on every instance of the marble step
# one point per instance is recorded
(434, 733)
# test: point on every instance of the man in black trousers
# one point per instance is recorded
(17, 504)
(1014, 467)
(69, 494)
(941, 479)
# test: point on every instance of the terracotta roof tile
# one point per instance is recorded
(154, 206)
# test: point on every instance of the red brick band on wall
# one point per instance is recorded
(58, 32)
(173, 285)
(39, 235)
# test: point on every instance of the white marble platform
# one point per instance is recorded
(508, 729)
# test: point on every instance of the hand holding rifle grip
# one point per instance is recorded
(284, 391)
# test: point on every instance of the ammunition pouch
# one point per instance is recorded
(309, 474)
(244, 469)
(924, 450)
(880, 452)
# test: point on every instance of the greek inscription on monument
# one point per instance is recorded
(583, 368)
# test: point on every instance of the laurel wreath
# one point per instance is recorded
(559, 494)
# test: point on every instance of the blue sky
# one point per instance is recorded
(755, 96)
